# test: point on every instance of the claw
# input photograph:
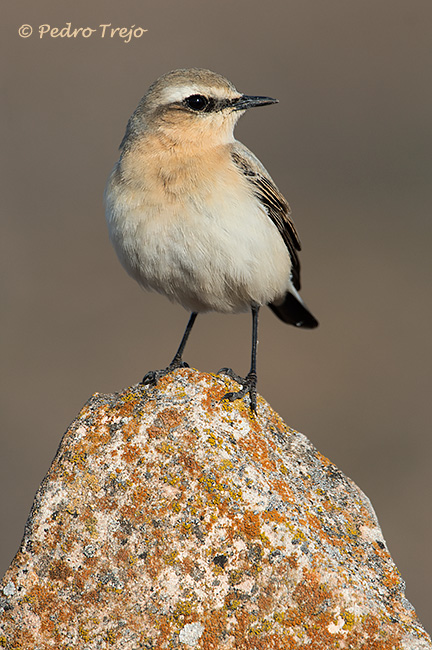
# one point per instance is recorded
(230, 373)
(248, 385)
(152, 377)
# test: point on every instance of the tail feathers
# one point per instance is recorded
(293, 312)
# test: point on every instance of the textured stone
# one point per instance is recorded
(172, 519)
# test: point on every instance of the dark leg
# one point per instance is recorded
(177, 362)
(249, 383)
(153, 376)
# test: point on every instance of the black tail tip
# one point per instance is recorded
(310, 323)
(293, 312)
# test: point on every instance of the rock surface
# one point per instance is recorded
(172, 519)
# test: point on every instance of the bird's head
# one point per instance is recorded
(192, 106)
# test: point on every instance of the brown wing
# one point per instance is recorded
(276, 205)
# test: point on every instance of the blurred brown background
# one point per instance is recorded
(349, 145)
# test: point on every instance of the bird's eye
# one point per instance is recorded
(197, 102)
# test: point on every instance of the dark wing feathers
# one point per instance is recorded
(277, 207)
(291, 310)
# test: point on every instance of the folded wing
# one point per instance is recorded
(291, 310)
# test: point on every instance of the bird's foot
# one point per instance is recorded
(152, 377)
(248, 385)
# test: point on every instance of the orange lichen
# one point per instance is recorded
(250, 525)
(59, 570)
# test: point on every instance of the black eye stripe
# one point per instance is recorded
(200, 103)
(204, 104)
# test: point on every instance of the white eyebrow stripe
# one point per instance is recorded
(170, 95)
(179, 93)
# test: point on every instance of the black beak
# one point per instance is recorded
(249, 101)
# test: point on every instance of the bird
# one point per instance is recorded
(194, 215)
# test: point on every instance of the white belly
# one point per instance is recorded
(218, 252)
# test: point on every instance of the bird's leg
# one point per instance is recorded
(153, 376)
(248, 383)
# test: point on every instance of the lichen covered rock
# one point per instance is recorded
(172, 519)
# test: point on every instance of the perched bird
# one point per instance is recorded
(194, 215)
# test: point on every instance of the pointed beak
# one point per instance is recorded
(249, 101)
